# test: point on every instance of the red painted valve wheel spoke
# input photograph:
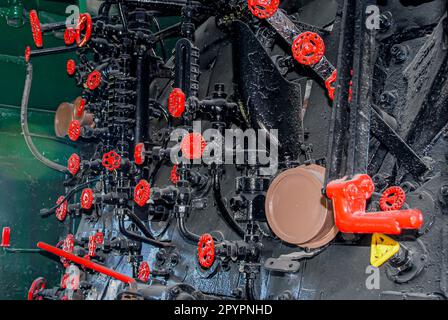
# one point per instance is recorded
(36, 28)
(308, 48)
(392, 199)
(142, 193)
(206, 251)
(263, 9)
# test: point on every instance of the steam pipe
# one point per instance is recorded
(140, 238)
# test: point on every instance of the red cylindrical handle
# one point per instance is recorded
(86, 263)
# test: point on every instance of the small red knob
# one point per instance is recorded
(87, 199)
(36, 28)
(6, 237)
(176, 103)
(69, 36)
(36, 288)
(142, 193)
(93, 80)
(206, 251)
(193, 146)
(263, 9)
(99, 237)
(174, 177)
(27, 54)
(144, 272)
(392, 199)
(61, 211)
(84, 23)
(74, 163)
(308, 48)
(80, 107)
(139, 154)
(71, 67)
(74, 130)
(111, 160)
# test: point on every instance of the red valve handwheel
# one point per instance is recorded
(74, 130)
(84, 23)
(308, 48)
(74, 163)
(111, 160)
(263, 9)
(71, 67)
(27, 54)
(36, 29)
(139, 154)
(99, 237)
(37, 287)
(80, 108)
(176, 103)
(61, 211)
(93, 80)
(193, 146)
(174, 177)
(144, 272)
(142, 193)
(87, 199)
(92, 245)
(392, 199)
(330, 84)
(69, 36)
(68, 245)
(206, 250)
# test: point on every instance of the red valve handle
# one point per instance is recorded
(93, 80)
(174, 177)
(27, 54)
(144, 272)
(193, 146)
(84, 22)
(61, 211)
(92, 246)
(176, 103)
(139, 154)
(71, 67)
(308, 48)
(206, 251)
(263, 9)
(99, 238)
(69, 36)
(74, 163)
(87, 199)
(6, 237)
(80, 107)
(36, 288)
(74, 130)
(36, 28)
(142, 193)
(349, 203)
(85, 262)
(392, 199)
(68, 245)
(330, 84)
(111, 160)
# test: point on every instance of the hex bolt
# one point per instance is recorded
(400, 53)
(385, 21)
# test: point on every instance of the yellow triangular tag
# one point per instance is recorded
(382, 249)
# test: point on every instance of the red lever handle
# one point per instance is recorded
(86, 263)
(349, 203)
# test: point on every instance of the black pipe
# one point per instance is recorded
(140, 224)
(142, 99)
(222, 207)
(54, 50)
(140, 238)
(250, 295)
(187, 234)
